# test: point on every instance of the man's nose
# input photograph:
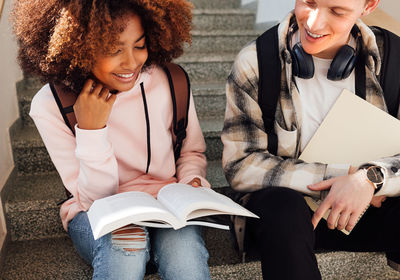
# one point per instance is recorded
(316, 20)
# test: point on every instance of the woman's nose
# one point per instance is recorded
(129, 60)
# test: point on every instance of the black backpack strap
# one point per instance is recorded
(389, 77)
(180, 94)
(65, 102)
(269, 85)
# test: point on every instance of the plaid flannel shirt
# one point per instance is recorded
(247, 164)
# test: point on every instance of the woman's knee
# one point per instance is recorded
(81, 235)
(181, 253)
(122, 254)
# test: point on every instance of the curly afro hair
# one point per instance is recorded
(59, 39)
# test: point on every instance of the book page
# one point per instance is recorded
(203, 221)
(182, 200)
(353, 132)
(113, 212)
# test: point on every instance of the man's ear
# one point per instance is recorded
(370, 7)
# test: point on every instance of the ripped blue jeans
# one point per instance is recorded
(178, 254)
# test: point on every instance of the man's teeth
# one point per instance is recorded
(314, 35)
(125, 75)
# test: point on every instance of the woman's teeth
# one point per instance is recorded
(314, 35)
(125, 75)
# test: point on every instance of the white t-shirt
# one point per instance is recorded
(318, 94)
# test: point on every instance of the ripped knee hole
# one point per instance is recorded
(130, 238)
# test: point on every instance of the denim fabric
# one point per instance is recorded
(179, 254)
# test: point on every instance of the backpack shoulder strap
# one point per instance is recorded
(269, 86)
(65, 101)
(180, 94)
(389, 77)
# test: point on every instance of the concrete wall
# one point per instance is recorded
(392, 7)
(9, 74)
(248, 4)
(273, 10)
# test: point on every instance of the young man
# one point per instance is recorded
(287, 232)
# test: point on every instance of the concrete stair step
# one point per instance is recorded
(220, 4)
(57, 259)
(212, 128)
(26, 89)
(31, 207)
(223, 19)
(31, 203)
(216, 41)
(31, 157)
(209, 98)
(207, 67)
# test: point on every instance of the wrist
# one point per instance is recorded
(85, 126)
(352, 169)
(374, 176)
(365, 179)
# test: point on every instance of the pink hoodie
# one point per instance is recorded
(100, 163)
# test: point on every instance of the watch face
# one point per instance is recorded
(375, 175)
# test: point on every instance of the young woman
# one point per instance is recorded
(110, 53)
(287, 233)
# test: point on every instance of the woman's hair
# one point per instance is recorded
(59, 39)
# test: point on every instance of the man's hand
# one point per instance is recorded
(348, 197)
(93, 106)
(378, 200)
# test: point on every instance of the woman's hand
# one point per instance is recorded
(196, 182)
(93, 106)
(348, 197)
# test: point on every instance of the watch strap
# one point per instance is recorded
(377, 186)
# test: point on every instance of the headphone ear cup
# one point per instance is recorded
(302, 62)
(343, 64)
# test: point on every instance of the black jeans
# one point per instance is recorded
(285, 240)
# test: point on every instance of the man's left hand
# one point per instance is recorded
(348, 197)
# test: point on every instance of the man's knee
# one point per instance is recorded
(278, 201)
(281, 211)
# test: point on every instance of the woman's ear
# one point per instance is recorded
(370, 6)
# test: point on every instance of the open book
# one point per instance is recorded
(176, 206)
(354, 132)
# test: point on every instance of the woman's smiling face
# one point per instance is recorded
(325, 25)
(119, 70)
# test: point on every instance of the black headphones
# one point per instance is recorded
(341, 66)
